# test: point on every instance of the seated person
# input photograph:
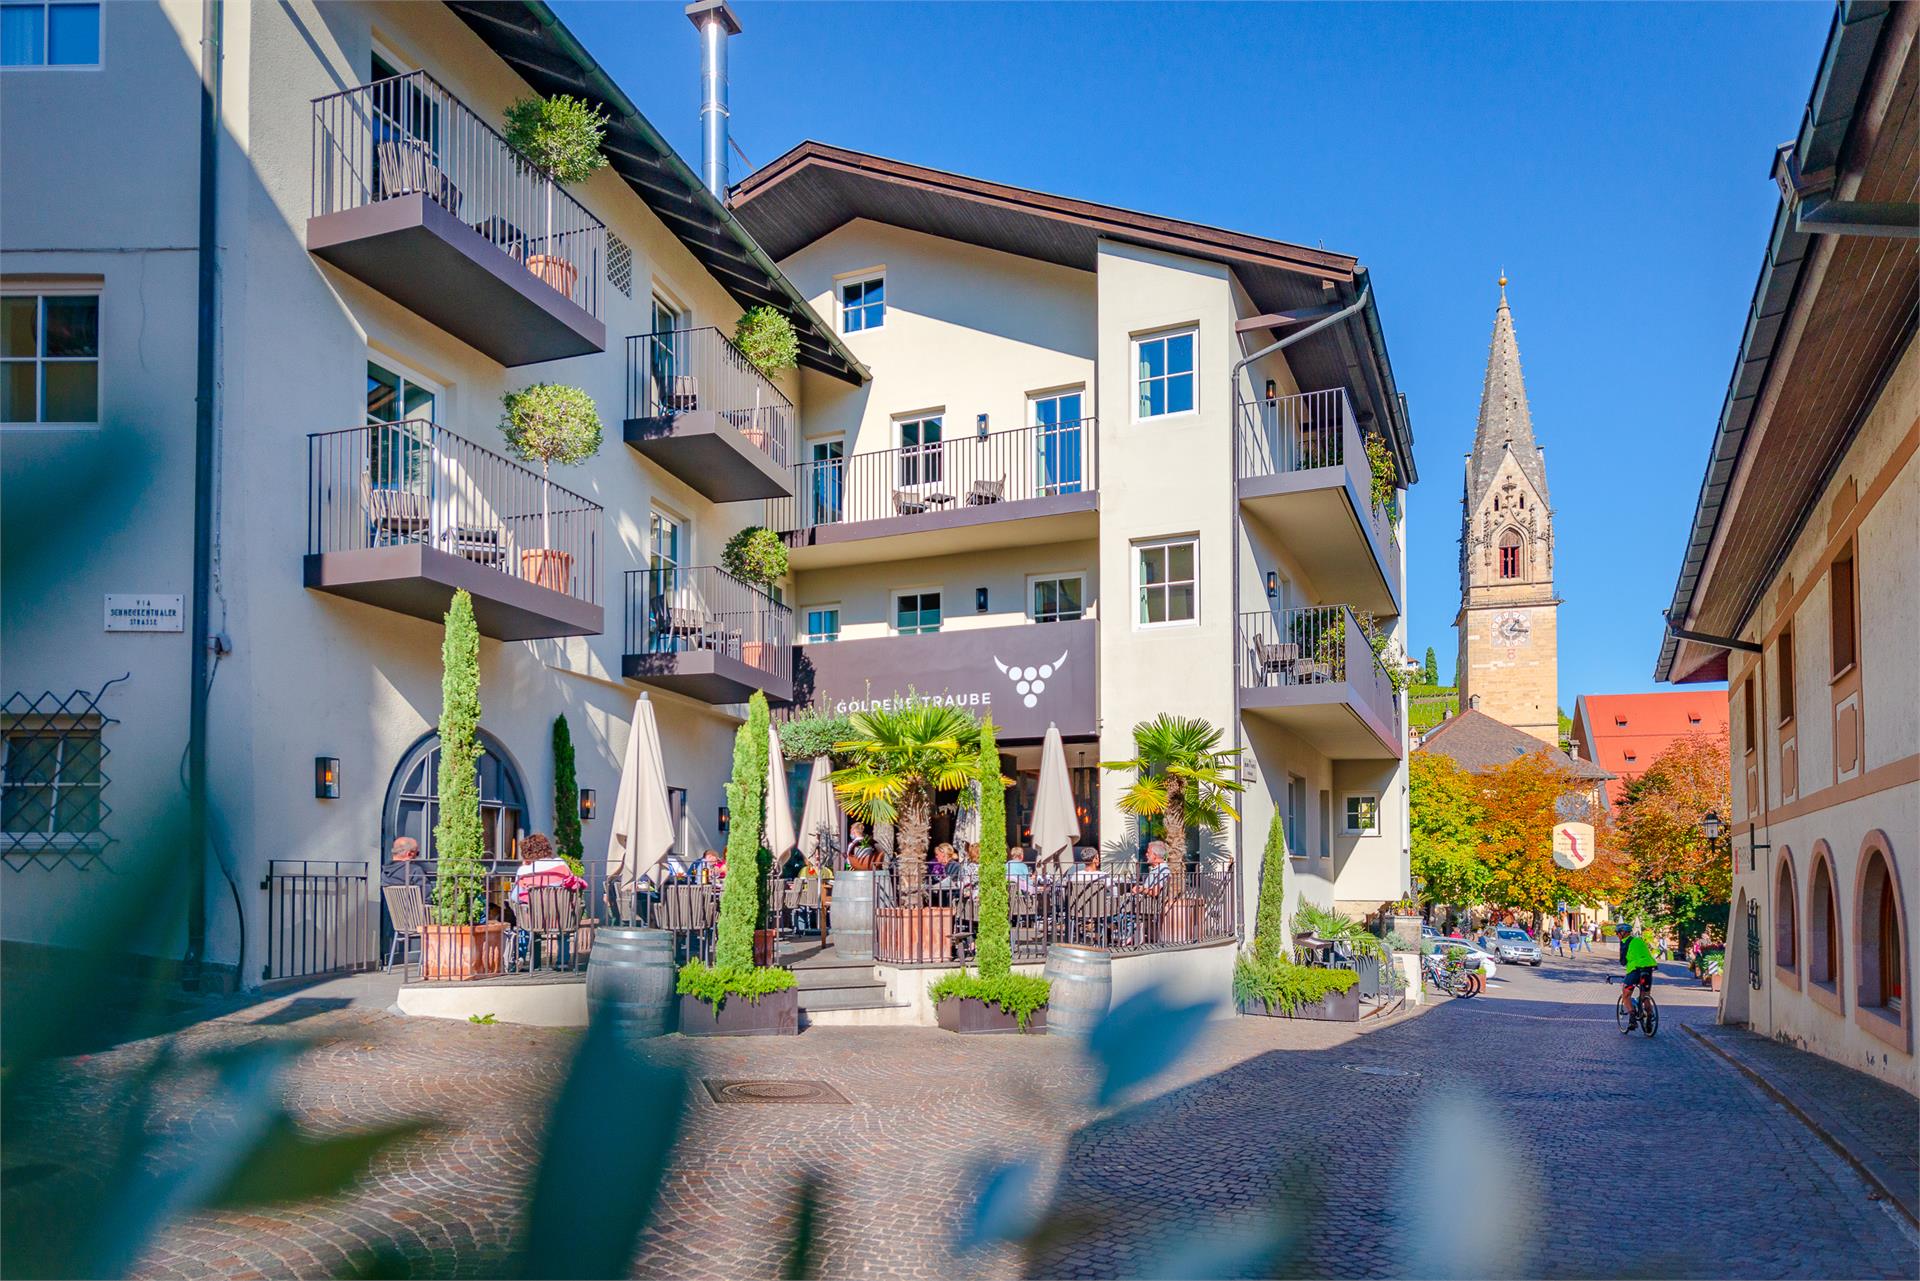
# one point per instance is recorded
(404, 867)
(1017, 869)
(1154, 884)
(539, 866)
(968, 872)
(1089, 870)
(941, 862)
(710, 866)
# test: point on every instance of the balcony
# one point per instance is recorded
(1313, 672)
(1027, 487)
(401, 515)
(1028, 674)
(706, 634)
(697, 407)
(1303, 476)
(418, 197)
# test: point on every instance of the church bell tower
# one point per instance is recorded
(1508, 620)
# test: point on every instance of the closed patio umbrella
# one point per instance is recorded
(820, 813)
(642, 830)
(1055, 825)
(778, 832)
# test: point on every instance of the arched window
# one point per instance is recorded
(1510, 554)
(1823, 923)
(1786, 919)
(413, 798)
(1881, 931)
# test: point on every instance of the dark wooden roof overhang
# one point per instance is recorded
(527, 36)
(815, 188)
(1830, 317)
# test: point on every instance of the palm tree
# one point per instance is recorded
(1182, 777)
(901, 757)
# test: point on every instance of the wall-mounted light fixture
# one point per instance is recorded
(586, 804)
(726, 821)
(326, 778)
(979, 600)
(980, 425)
(1273, 585)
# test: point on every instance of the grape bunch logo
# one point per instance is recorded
(1031, 682)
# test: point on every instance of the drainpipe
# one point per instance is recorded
(1239, 732)
(204, 391)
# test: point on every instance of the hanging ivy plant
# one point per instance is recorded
(1380, 461)
(756, 555)
(766, 338)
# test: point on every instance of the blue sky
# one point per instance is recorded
(1612, 158)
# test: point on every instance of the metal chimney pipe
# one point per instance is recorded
(716, 21)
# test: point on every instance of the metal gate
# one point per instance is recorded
(319, 919)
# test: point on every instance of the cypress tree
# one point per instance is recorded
(746, 802)
(1430, 670)
(1270, 918)
(994, 951)
(566, 797)
(458, 894)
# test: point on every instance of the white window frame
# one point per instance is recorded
(893, 609)
(861, 278)
(1034, 580)
(48, 838)
(408, 376)
(40, 291)
(46, 37)
(927, 456)
(1140, 585)
(806, 617)
(684, 528)
(1164, 335)
(1346, 813)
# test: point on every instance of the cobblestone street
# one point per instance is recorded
(1267, 1115)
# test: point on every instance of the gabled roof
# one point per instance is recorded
(815, 188)
(1625, 733)
(1479, 742)
(1829, 318)
(1506, 423)
(527, 36)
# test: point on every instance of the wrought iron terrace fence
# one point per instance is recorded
(392, 484)
(681, 371)
(407, 135)
(1277, 435)
(320, 918)
(942, 474)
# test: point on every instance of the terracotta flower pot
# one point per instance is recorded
(557, 272)
(548, 568)
(462, 951)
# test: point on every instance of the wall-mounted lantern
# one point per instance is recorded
(326, 778)
(586, 805)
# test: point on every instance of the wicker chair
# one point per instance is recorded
(407, 166)
(987, 492)
(1273, 661)
(407, 905)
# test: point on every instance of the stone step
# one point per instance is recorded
(846, 998)
(822, 980)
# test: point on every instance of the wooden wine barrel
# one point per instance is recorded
(851, 917)
(631, 975)
(1082, 988)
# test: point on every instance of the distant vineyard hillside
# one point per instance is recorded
(1428, 705)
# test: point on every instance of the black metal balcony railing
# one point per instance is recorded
(940, 475)
(412, 482)
(1282, 434)
(679, 371)
(407, 135)
(674, 611)
(1314, 645)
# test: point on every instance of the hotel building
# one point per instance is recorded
(1062, 462)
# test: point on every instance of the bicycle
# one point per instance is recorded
(1452, 978)
(1623, 1009)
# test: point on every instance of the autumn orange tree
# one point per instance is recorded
(1521, 802)
(1678, 878)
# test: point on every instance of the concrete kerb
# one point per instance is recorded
(1878, 1175)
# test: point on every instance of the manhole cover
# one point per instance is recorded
(773, 1092)
(1375, 1069)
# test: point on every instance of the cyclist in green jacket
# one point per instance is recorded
(1640, 963)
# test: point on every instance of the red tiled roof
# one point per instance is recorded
(1625, 733)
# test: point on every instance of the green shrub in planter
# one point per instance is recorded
(1016, 994)
(715, 983)
(756, 555)
(560, 136)
(1286, 986)
(459, 892)
(766, 338)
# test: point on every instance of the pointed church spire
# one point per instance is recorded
(1505, 421)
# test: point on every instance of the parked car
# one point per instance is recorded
(1512, 944)
(1439, 944)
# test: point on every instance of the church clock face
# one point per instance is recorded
(1511, 628)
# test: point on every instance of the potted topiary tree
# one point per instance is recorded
(767, 1003)
(766, 338)
(559, 136)
(457, 941)
(994, 999)
(757, 556)
(550, 423)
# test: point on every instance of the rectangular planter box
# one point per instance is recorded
(971, 1016)
(775, 1014)
(1336, 1007)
